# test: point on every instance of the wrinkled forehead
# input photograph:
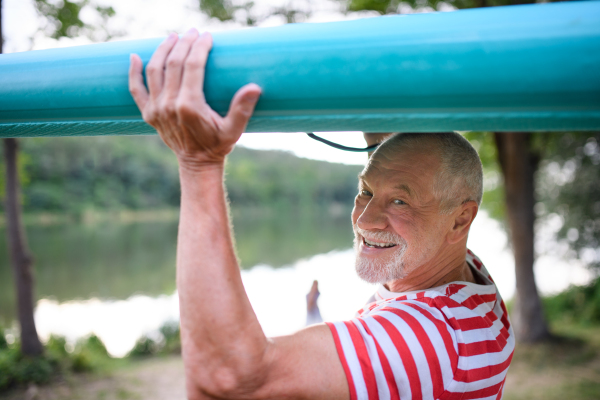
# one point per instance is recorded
(414, 169)
(419, 157)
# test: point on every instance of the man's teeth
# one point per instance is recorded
(375, 244)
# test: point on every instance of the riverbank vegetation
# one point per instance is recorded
(80, 176)
(62, 359)
(59, 360)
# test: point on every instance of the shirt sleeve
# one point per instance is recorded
(403, 350)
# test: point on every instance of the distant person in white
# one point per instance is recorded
(437, 329)
(313, 314)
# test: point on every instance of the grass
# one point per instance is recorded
(577, 305)
(565, 367)
(568, 365)
(148, 378)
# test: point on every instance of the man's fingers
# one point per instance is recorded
(193, 72)
(175, 61)
(136, 81)
(155, 68)
(241, 108)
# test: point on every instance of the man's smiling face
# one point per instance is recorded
(396, 218)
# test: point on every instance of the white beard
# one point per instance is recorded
(380, 271)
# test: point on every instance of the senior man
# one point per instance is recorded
(437, 327)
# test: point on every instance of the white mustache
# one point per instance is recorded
(378, 236)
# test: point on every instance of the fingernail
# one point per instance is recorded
(172, 36)
(191, 30)
(252, 97)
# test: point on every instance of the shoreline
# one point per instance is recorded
(167, 214)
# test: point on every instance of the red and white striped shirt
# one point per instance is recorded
(449, 342)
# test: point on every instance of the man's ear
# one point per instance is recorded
(463, 217)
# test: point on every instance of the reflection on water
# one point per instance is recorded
(106, 260)
(118, 280)
(284, 235)
(118, 323)
(277, 297)
(116, 260)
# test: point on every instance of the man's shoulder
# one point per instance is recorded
(469, 312)
(447, 298)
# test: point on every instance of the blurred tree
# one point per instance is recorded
(17, 245)
(62, 20)
(75, 175)
(223, 10)
(393, 6)
(568, 186)
(518, 162)
(246, 13)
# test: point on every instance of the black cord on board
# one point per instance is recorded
(340, 147)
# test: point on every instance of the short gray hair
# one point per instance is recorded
(460, 178)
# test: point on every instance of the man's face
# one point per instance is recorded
(396, 219)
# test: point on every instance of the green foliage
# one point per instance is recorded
(19, 370)
(3, 342)
(171, 334)
(245, 13)
(144, 346)
(578, 305)
(381, 6)
(223, 10)
(63, 19)
(270, 177)
(89, 355)
(106, 172)
(569, 186)
(23, 163)
(392, 6)
(57, 347)
(94, 345)
(168, 342)
(75, 175)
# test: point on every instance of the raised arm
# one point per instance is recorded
(225, 351)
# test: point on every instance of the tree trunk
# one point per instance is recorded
(518, 163)
(17, 244)
(19, 253)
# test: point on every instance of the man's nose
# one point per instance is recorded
(373, 216)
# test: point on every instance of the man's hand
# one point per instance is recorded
(174, 102)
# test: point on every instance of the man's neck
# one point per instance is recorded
(451, 267)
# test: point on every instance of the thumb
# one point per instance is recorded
(242, 107)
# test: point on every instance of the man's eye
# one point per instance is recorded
(399, 202)
(365, 193)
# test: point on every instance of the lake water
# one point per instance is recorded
(117, 279)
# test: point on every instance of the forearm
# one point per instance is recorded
(221, 336)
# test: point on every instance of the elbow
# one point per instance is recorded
(223, 382)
